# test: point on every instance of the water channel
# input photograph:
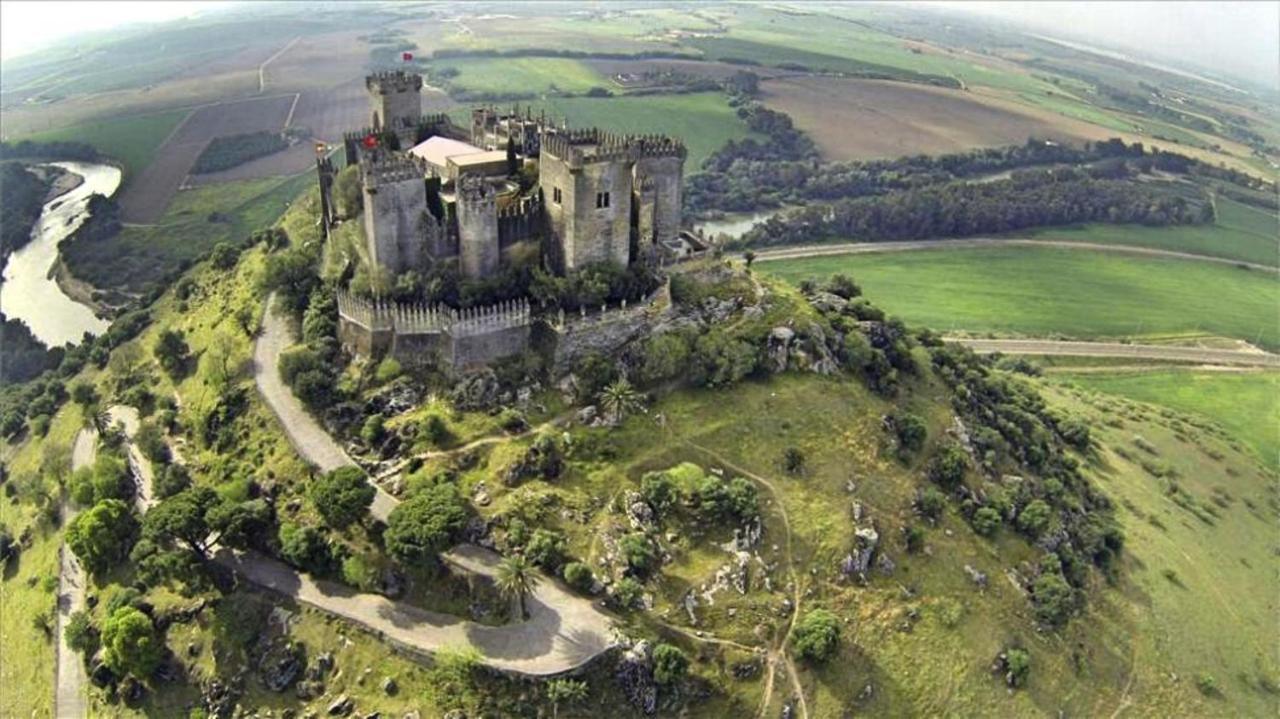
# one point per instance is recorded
(30, 292)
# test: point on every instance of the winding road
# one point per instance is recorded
(563, 631)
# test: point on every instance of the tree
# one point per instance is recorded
(425, 524)
(816, 635)
(224, 256)
(619, 398)
(513, 163)
(303, 547)
(182, 520)
(843, 286)
(81, 635)
(910, 430)
(292, 274)
(170, 480)
(221, 362)
(638, 552)
(1052, 598)
(103, 534)
(342, 496)
(130, 643)
(669, 664)
(515, 579)
(151, 442)
(565, 691)
(1017, 665)
(665, 357)
(84, 394)
(750, 257)
(545, 548)
(171, 351)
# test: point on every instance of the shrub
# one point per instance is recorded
(948, 466)
(169, 481)
(658, 490)
(986, 521)
(1034, 518)
(1207, 685)
(1017, 665)
(546, 549)
(304, 548)
(103, 534)
(388, 369)
(669, 664)
(342, 496)
(638, 552)
(910, 430)
(81, 635)
(816, 635)
(224, 256)
(373, 430)
(1052, 598)
(579, 576)
(843, 286)
(793, 460)
(913, 537)
(931, 503)
(425, 524)
(361, 572)
(627, 592)
(434, 430)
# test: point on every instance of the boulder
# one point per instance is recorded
(635, 675)
(477, 391)
(778, 348)
(978, 578)
(389, 686)
(587, 415)
(341, 706)
(280, 666)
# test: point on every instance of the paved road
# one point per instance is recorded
(563, 631)
(1116, 349)
(858, 248)
(70, 697)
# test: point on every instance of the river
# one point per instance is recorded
(735, 224)
(29, 291)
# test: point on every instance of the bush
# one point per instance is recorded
(362, 573)
(102, 535)
(1034, 518)
(1052, 599)
(948, 466)
(816, 635)
(931, 503)
(843, 286)
(793, 460)
(425, 524)
(150, 440)
(130, 643)
(669, 664)
(913, 537)
(627, 592)
(342, 496)
(304, 548)
(1017, 665)
(373, 430)
(638, 552)
(81, 635)
(224, 256)
(658, 490)
(579, 576)
(388, 369)
(545, 549)
(169, 481)
(910, 430)
(434, 430)
(986, 521)
(1207, 685)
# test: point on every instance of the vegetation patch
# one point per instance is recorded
(131, 140)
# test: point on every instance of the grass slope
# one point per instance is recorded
(1240, 233)
(1246, 404)
(1051, 292)
(131, 140)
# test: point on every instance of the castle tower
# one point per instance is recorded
(585, 178)
(395, 100)
(395, 209)
(326, 174)
(477, 209)
(657, 178)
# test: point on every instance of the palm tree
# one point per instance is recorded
(565, 690)
(618, 398)
(515, 579)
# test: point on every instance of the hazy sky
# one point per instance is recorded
(1237, 38)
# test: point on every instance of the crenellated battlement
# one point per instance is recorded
(586, 145)
(393, 81)
(405, 318)
(476, 191)
(383, 168)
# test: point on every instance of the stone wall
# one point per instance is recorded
(575, 336)
(393, 223)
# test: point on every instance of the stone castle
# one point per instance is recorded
(438, 195)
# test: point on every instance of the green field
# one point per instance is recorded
(703, 120)
(521, 75)
(1057, 292)
(195, 221)
(1241, 233)
(131, 140)
(1246, 404)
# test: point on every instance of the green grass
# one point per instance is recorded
(1240, 233)
(1057, 292)
(521, 75)
(131, 140)
(140, 255)
(704, 120)
(1246, 404)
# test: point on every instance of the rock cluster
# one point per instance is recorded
(635, 675)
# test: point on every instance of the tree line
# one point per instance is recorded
(28, 149)
(740, 177)
(1062, 196)
(223, 153)
(21, 197)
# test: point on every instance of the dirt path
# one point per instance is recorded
(1117, 349)
(563, 632)
(70, 699)
(859, 248)
(262, 69)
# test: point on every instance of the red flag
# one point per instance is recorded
(408, 56)
(370, 141)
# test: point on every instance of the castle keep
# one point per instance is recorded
(437, 196)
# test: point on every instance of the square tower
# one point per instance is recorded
(395, 211)
(395, 101)
(585, 178)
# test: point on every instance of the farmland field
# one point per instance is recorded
(131, 140)
(147, 197)
(1241, 233)
(853, 119)
(1057, 292)
(520, 75)
(1246, 404)
(704, 121)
